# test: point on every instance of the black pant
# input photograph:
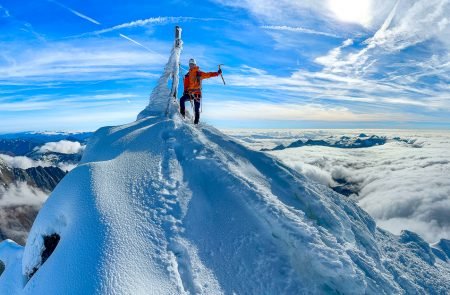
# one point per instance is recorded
(186, 97)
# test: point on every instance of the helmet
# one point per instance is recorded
(192, 62)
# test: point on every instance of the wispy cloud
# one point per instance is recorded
(376, 72)
(72, 102)
(4, 12)
(299, 30)
(90, 60)
(318, 13)
(292, 111)
(324, 86)
(411, 23)
(407, 25)
(162, 20)
(79, 14)
(277, 10)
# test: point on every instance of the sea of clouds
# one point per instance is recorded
(400, 185)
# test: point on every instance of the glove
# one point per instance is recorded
(219, 71)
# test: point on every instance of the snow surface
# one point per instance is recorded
(11, 280)
(160, 206)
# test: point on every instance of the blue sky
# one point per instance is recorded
(79, 65)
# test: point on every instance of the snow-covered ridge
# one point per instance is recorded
(160, 206)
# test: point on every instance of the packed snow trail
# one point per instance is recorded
(159, 206)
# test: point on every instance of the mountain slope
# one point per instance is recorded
(162, 207)
(22, 192)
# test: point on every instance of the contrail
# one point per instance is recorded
(76, 12)
(137, 43)
(155, 20)
(389, 19)
(300, 30)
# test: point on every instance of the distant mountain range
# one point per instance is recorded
(345, 186)
(345, 142)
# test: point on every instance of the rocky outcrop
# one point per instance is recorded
(44, 178)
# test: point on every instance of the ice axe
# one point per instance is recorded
(222, 75)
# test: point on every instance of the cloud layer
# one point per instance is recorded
(402, 187)
(22, 162)
(21, 194)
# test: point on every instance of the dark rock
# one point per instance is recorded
(2, 267)
(50, 243)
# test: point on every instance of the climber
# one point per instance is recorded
(193, 87)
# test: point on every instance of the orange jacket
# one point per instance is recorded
(193, 80)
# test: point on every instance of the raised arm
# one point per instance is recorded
(206, 75)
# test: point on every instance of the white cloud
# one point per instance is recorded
(91, 60)
(252, 110)
(69, 115)
(318, 87)
(21, 194)
(408, 24)
(22, 162)
(4, 12)
(332, 59)
(299, 30)
(377, 71)
(277, 10)
(161, 20)
(325, 14)
(46, 102)
(63, 146)
(411, 23)
(402, 187)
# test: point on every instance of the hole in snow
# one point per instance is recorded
(2, 267)
(50, 243)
